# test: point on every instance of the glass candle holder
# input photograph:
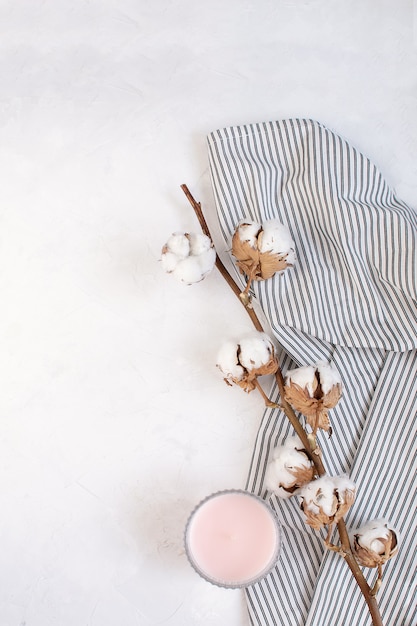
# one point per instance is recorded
(233, 539)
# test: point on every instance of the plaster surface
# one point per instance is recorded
(114, 421)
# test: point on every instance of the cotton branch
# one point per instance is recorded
(345, 549)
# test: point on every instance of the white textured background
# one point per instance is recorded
(114, 421)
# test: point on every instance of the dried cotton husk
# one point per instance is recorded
(314, 390)
(374, 543)
(188, 256)
(262, 250)
(289, 469)
(327, 499)
(244, 361)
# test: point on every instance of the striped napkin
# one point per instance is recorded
(350, 300)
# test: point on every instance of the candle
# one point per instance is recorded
(233, 539)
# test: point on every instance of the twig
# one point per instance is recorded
(378, 581)
(345, 549)
(268, 402)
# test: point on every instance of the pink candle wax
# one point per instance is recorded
(233, 539)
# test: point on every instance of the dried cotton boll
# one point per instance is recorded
(314, 390)
(327, 499)
(261, 251)
(319, 497)
(374, 543)
(289, 469)
(188, 256)
(242, 362)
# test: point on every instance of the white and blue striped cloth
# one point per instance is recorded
(350, 299)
